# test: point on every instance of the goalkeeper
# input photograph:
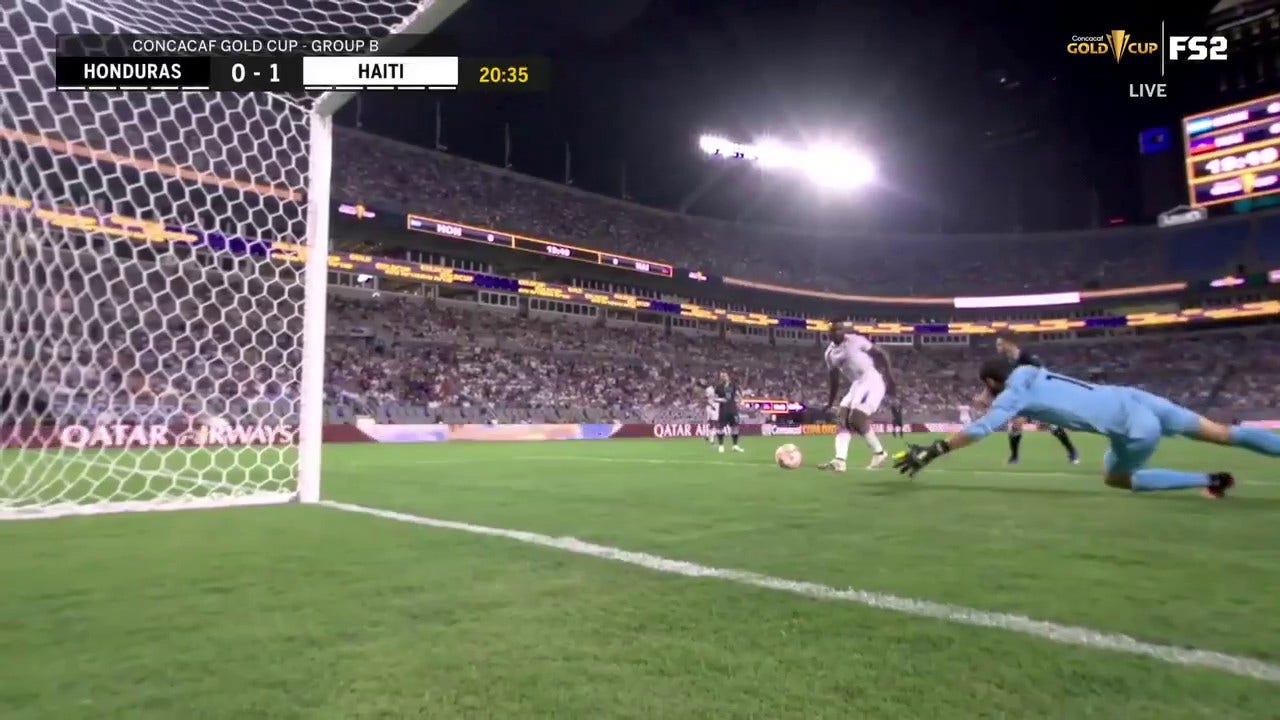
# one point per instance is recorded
(1132, 420)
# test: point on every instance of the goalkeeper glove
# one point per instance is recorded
(914, 458)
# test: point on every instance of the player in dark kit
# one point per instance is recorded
(1007, 346)
(727, 394)
(895, 411)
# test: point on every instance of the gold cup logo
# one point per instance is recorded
(1119, 40)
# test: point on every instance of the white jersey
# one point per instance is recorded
(713, 405)
(851, 357)
(713, 400)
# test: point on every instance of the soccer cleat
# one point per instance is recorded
(1219, 484)
(720, 449)
(877, 460)
(738, 448)
(1074, 458)
(835, 465)
(1013, 461)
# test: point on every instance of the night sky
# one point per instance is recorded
(977, 116)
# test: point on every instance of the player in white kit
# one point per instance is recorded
(860, 362)
(713, 413)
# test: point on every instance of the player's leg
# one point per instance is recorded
(727, 422)
(837, 462)
(1258, 440)
(1015, 439)
(1072, 456)
(1178, 420)
(1125, 463)
(864, 404)
(735, 432)
(712, 417)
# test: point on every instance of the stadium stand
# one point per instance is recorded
(383, 173)
(402, 359)
(406, 360)
(491, 365)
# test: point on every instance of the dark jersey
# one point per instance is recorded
(728, 394)
(896, 411)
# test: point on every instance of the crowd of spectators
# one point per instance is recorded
(395, 349)
(384, 174)
(143, 340)
(459, 362)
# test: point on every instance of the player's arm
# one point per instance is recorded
(881, 358)
(833, 386)
(1006, 406)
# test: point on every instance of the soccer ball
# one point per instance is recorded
(788, 457)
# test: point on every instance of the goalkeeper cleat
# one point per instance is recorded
(834, 465)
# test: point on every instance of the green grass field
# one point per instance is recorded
(311, 612)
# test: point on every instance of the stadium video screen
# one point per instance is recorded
(1233, 153)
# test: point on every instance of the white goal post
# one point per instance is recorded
(155, 355)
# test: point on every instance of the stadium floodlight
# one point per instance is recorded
(827, 165)
(836, 168)
(770, 154)
(207, 376)
(712, 144)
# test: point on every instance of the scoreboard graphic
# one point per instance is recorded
(1233, 153)
(288, 64)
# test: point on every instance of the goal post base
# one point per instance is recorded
(61, 510)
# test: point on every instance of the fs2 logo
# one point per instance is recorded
(1197, 47)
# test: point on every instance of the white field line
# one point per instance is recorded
(958, 614)
(853, 469)
(694, 461)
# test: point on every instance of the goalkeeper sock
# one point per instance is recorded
(1256, 439)
(1015, 441)
(1157, 479)
(842, 444)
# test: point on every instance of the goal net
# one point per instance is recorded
(155, 355)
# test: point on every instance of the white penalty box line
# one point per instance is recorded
(957, 614)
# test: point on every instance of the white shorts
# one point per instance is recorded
(865, 394)
(713, 415)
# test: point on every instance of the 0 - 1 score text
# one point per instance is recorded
(251, 46)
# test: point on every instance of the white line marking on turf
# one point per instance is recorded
(693, 461)
(1083, 472)
(1053, 632)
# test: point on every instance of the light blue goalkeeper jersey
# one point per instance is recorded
(1054, 399)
